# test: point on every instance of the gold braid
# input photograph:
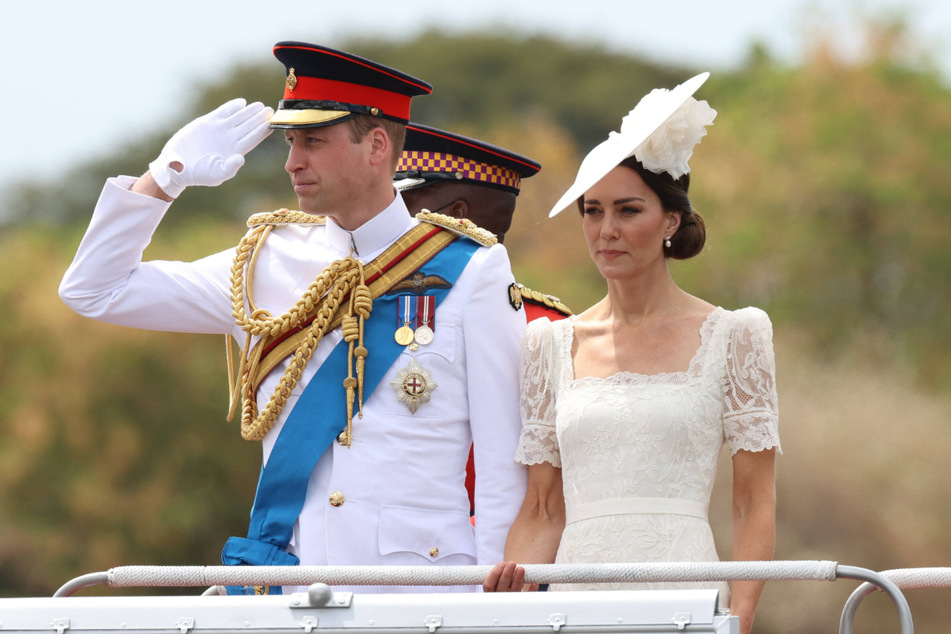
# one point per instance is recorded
(361, 303)
(325, 296)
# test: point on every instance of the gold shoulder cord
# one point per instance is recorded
(340, 279)
(462, 226)
(546, 300)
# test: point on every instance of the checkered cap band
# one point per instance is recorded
(449, 163)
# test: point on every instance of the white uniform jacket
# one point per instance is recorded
(402, 480)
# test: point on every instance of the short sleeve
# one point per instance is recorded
(751, 418)
(538, 442)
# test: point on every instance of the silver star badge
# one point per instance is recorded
(413, 385)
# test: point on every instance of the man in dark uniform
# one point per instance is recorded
(462, 177)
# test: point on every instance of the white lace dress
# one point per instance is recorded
(639, 453)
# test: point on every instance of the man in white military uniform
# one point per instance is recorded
(389, 488)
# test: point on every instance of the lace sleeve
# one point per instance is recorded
(751, 418)
(538, 442)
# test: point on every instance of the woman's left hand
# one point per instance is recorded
(507, 576)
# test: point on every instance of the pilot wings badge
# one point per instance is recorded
(413, 385)
(418, 283)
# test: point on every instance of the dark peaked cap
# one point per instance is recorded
(325, 86)
(431, 155)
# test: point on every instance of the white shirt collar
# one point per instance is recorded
(369, 239)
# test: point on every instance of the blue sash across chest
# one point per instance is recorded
(319, 415)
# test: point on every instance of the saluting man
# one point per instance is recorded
(444, 172)
(375, 346)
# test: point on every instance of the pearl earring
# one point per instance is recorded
(667, 242)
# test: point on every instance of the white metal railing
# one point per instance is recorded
(903, 578)
(203, 576)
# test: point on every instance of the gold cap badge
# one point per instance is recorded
(291, 80)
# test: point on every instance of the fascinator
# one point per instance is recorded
(660, 132)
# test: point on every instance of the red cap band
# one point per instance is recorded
(312, 88)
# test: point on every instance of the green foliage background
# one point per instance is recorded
(825, 188)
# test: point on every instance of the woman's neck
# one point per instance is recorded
(634, 299)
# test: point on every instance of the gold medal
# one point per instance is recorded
(404, 335)
(406, 316)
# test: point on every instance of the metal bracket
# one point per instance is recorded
(60, 625)
(184, 624)
(341, 600)
(557, 620)
(681, 619)
(433, 623)
(319, 595)
(308, 623)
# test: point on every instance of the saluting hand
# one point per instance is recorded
(210, 150)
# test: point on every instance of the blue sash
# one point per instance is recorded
(318, 417)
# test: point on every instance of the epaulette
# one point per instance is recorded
(285, 217)
(462, 226)
(548, 301)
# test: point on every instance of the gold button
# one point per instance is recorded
(433, 552)
(336, 498)
(342, 437)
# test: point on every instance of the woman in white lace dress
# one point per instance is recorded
(626, 407)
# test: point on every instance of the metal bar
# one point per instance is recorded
(163, 576)
(887, 586)
(904, 578)
(85, 581)
(852, 605)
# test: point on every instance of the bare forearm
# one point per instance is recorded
(754, 538)
(534, 538)
(535, 533)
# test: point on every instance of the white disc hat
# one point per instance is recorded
(637, 138)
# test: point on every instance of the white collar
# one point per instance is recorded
(369, 239)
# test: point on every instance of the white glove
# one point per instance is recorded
(211, 148)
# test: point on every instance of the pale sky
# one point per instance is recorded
(63, 60)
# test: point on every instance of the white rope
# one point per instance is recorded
(163, 576)
(919, 577)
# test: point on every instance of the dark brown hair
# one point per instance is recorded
(690, 237)
(361, 124)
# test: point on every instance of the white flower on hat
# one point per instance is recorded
(661, 132)
(671, 145)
